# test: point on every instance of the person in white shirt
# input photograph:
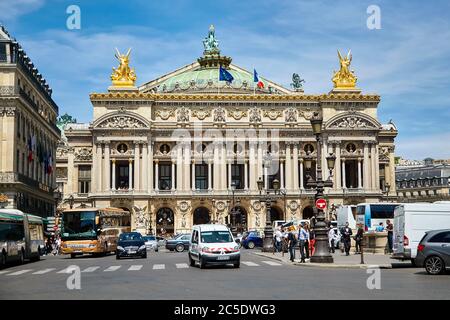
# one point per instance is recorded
(278, 239)
(332, 239)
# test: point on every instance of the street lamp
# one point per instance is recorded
(321, 253)
(268, 232)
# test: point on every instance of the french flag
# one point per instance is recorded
(258, 82)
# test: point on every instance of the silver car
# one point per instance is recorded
(433, 251)
(151, 243)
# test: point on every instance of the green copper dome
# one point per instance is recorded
(206, 79)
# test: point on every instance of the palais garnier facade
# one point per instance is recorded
(190, 146)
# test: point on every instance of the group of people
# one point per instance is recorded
(52, 245)
(346, 236)
(287, 240)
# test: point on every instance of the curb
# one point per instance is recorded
(326, 265)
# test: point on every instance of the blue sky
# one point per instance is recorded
(407, 61)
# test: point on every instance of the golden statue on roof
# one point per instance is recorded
(123, 76)
(344, 78)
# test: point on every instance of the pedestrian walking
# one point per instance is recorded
(358, 239)
(390, 234)
(278, 239)
(292, 237)
(346, 237)
(303, 236)
(284, 242)
(307, 242)
(312, 243)
(332, 239)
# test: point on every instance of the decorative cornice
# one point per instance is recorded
(235, 97)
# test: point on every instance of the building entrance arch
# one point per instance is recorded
(201, 216)
(165, 222)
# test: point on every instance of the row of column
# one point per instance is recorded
(183, 175)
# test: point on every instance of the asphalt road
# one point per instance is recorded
(167, 275)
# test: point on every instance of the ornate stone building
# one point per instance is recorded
(28, 132)
(187, 147)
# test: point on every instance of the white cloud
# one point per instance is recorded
(436, 146)
(12, 9)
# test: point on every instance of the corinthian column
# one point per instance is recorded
(366, 166)
(99, 168)
(289, 172)
(107, 167)
(144, 167)
(137, 186)
(295, 166)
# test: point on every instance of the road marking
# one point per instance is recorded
(44, 271)
(159, 266)
(90, 269)
(250, 264)
(67, 270)
(135, 267)
(4, 271)
(112, 268)
(182, 265)
(272, 263)
(19, 272)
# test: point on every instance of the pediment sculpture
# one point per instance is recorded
(122, 121)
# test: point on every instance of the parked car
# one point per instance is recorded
(151, 243)
(179, 243)
(131, 244)
(213, 244)
(252, 239)
(433, 251)
(161, 241)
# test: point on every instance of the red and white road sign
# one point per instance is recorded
(321, 204)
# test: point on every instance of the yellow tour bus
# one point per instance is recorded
(92, 230)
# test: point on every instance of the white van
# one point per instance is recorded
(346, 214)
(213, 244)
(411, 221)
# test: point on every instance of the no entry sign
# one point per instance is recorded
(321, 204)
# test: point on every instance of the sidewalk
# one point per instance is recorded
(340, 260)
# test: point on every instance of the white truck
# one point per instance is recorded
(346, 214)
(411, 221)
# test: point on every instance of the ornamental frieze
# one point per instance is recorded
(254, 115)
(8, 111)
(291, 115)
(237, 114)
(272, 114)
(201, 114)
(352, 122)
(183, 114)
(165, 113)
(122, 121)
(83, 154)
(219, 114)
(61, 173)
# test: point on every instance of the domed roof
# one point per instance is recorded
(207, 79)
(203, 76)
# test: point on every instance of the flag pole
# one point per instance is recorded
(218, 81)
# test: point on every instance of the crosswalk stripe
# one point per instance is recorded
(19, 272)
(4, 271)
(112, 268)
(135, 267)
(250, 264)
(272, 263)
(182, 265)
(90, 269)
(67, 270)
(159, 266)
(44, 271)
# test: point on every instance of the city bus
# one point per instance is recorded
(374, 213)
(92, 230)
(21, 236)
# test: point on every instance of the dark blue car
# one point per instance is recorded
(252, 239)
